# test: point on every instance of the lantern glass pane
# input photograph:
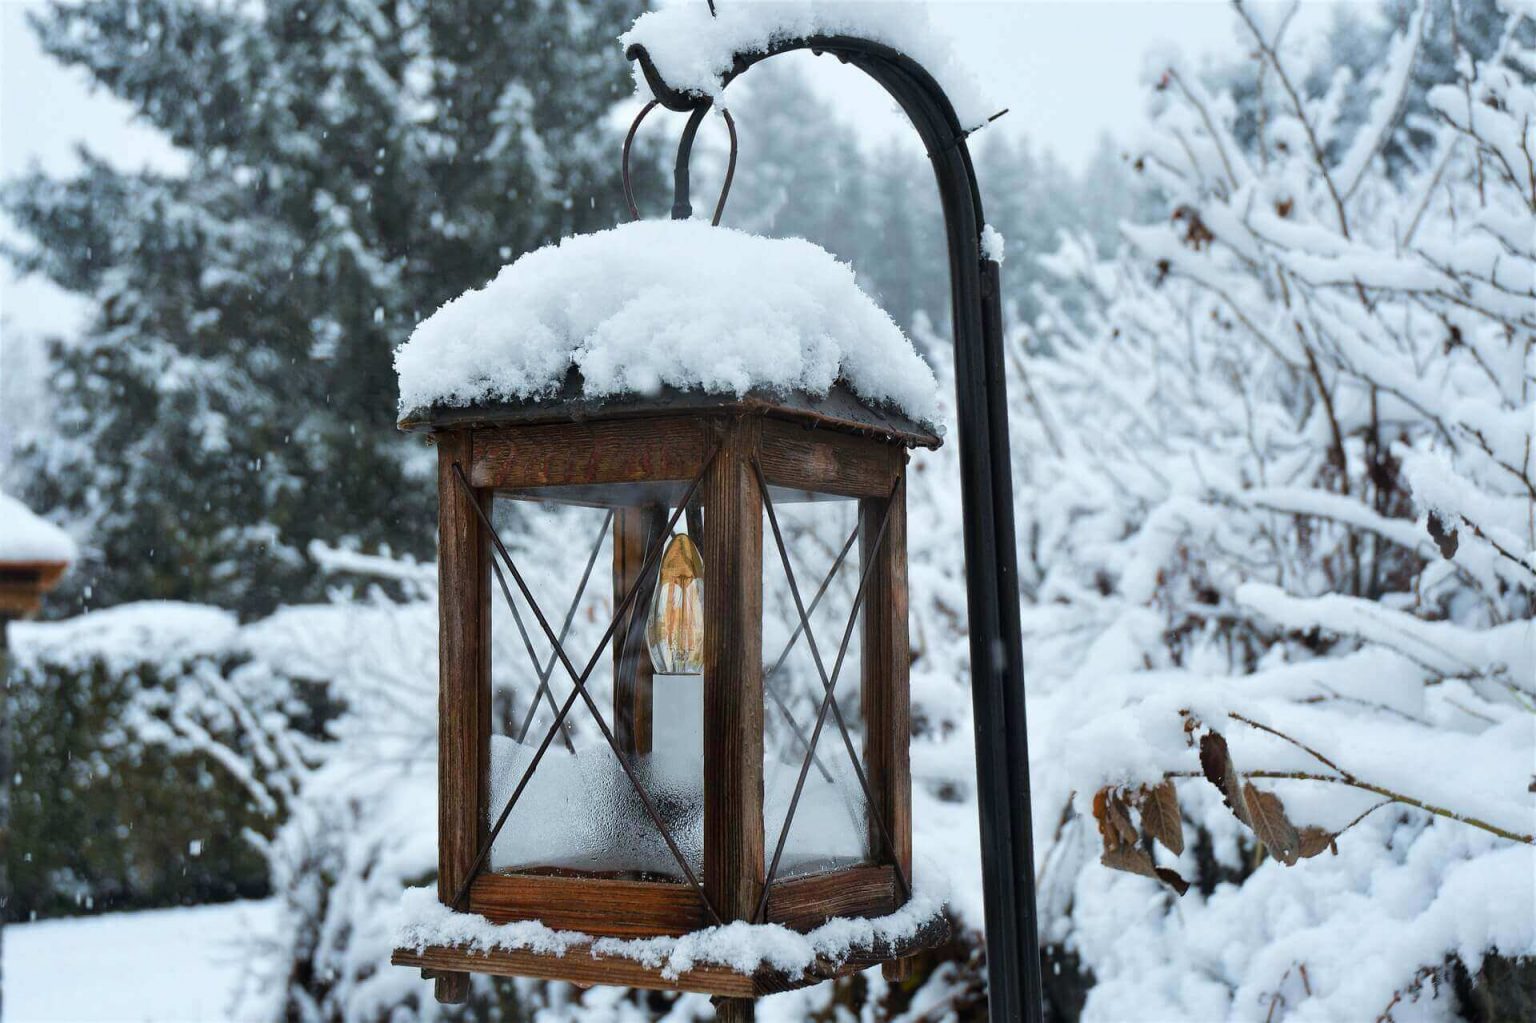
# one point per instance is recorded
(579, 812)
(829, 827)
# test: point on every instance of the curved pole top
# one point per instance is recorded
(907, 81)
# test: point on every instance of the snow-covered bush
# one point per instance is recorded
(154, 754)
(1278, 491)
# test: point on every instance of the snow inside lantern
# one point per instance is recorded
(722, 735)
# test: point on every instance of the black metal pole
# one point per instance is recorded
(991, 560)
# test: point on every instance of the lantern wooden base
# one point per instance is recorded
(583, 967)
(649, 909)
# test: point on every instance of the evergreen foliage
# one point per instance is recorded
(98, 824)
(350, 166)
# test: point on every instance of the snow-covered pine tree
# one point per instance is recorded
(796, 160)
(1279, 526)
(907, 269)
(350, 165)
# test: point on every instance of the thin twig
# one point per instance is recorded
(1396, 797)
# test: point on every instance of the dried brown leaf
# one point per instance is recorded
(1216, 762)
(1160, 816)
(1101, 815)
(1270, 824)
(1120, 819)
(1444, 536)
(1172, 879)
(1315, 840)
(1114, 817)
(1135, 860)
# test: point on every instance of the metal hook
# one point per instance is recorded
(629, 141)
(682, 208)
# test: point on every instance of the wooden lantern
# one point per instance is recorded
(645, 459)
(34, 555)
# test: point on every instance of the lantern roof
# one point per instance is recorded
(33, 555)
(27, 539)
(671, 314)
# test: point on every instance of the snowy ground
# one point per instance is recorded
(159, 965)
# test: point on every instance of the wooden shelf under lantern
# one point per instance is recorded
(642, 458)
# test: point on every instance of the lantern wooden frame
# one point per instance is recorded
(833, 446)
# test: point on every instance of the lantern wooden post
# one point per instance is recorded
(635, 530)
(464, 685)
(733, 685)
(733, 674)
(886, 689)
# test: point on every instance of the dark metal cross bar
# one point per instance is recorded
(543, 691)
(778, 699)
(821, 591)
(579, 689)
(548, 667)
(829, 700)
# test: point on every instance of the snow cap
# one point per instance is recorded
(24, 537)
(657, 304)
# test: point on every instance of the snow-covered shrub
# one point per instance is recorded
(153, 756)
(1277, 495)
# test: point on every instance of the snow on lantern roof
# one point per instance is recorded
(26, 538)
(657, 306)
(692, 49)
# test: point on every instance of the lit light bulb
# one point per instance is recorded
(675, 629)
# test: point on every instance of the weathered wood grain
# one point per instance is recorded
(568, 454)
(803, 903)
(828, 462)
(885, 693)
(634, 530)
(620, 909)
(579, 965)
(464, 690)
(732, 550)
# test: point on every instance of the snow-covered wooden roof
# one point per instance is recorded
(673, 311)
(33, 555)
(27, 539)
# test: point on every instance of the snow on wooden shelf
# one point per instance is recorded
(754, 958)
